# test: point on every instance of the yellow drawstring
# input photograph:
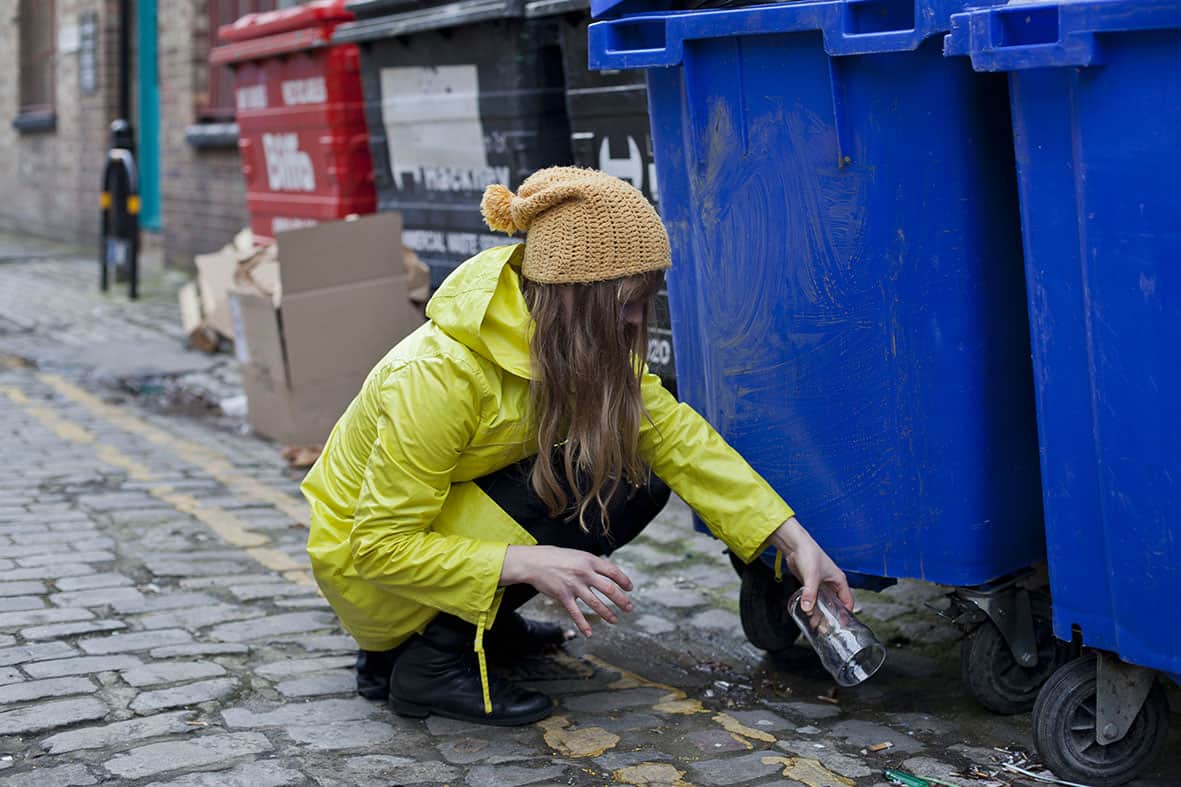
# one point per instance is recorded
(778, 565)
(483, 663)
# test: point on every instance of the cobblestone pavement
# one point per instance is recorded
(52, 314)
(158, 624)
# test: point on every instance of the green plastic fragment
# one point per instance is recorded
(905, 779)
(910, 780)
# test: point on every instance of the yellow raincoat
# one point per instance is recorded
(399, 532)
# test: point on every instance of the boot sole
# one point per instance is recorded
(374, 694)
(415, 711)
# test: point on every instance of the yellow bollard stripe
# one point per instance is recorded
(133, 204)
(104, 200)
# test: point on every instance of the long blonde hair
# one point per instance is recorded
(585, 391)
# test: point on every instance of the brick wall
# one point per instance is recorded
(203, 196)
(50, 179)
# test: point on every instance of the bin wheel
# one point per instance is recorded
(1064, 729)
(762, 605)
(992, 674)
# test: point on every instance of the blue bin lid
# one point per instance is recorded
(1025, 35)
(850, 27)
(613, 9)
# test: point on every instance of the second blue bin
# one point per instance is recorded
(847, 290)
(1097, 124)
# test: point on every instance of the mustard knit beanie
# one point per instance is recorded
(583, 226)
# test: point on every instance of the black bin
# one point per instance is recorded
(465, 94)
(610, 130)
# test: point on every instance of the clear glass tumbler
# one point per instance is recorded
(847, 649)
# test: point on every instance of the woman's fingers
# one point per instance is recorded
(808, 598)
(595, 603)
(612, 592)
(577, 577)
(572, 609)
(805, 569)
(844, 593)
(613, 572)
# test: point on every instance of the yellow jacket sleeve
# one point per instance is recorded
(428, 412)
(685, 451)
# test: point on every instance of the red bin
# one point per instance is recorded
(301, 117)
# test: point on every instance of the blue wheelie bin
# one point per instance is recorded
(1096, 104)
(847, 295)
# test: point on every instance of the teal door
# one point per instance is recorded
(149, 116)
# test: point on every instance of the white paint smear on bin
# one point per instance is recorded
(433, 128)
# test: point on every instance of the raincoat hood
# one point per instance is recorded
(481, 306)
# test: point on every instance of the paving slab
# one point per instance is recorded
(196, 752)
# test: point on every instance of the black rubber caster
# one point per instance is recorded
(762, 605)
(993, 675)
(1064, 729)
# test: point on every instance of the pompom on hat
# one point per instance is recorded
(583, 226)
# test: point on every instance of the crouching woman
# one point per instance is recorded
(508, 446)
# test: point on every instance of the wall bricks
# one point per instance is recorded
(52, 179)
(203, 196)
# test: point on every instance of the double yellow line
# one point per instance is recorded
(224, 523)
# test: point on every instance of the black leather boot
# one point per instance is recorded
(437, 673)
(373, 672)
(514, 637)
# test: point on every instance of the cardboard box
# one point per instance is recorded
(418, 277)
(343, 305)
(215, 276)
(201, 336)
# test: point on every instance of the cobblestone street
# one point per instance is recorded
(158, 624)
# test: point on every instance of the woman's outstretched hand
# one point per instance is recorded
(810, 564)
(567, 575)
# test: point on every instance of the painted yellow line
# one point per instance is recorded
(230, 528)
(274, 559)
(213, 463)
(301, 578)
(135, 470)
(63, 428)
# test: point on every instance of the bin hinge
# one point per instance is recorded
(1009, 608)
(1120, 692)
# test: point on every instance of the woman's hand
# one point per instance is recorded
(810, 564)
(567, 575)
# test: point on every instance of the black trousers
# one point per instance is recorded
(627, 512)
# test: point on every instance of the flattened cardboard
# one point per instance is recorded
(340, 329)
(258, 340)
(266, 404)
(341, 252)
(190, 308)
(418, 276)
(297, 417)
(215, 278)
(304, 362)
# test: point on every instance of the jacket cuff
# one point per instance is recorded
(754, 539)
(484, 600)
